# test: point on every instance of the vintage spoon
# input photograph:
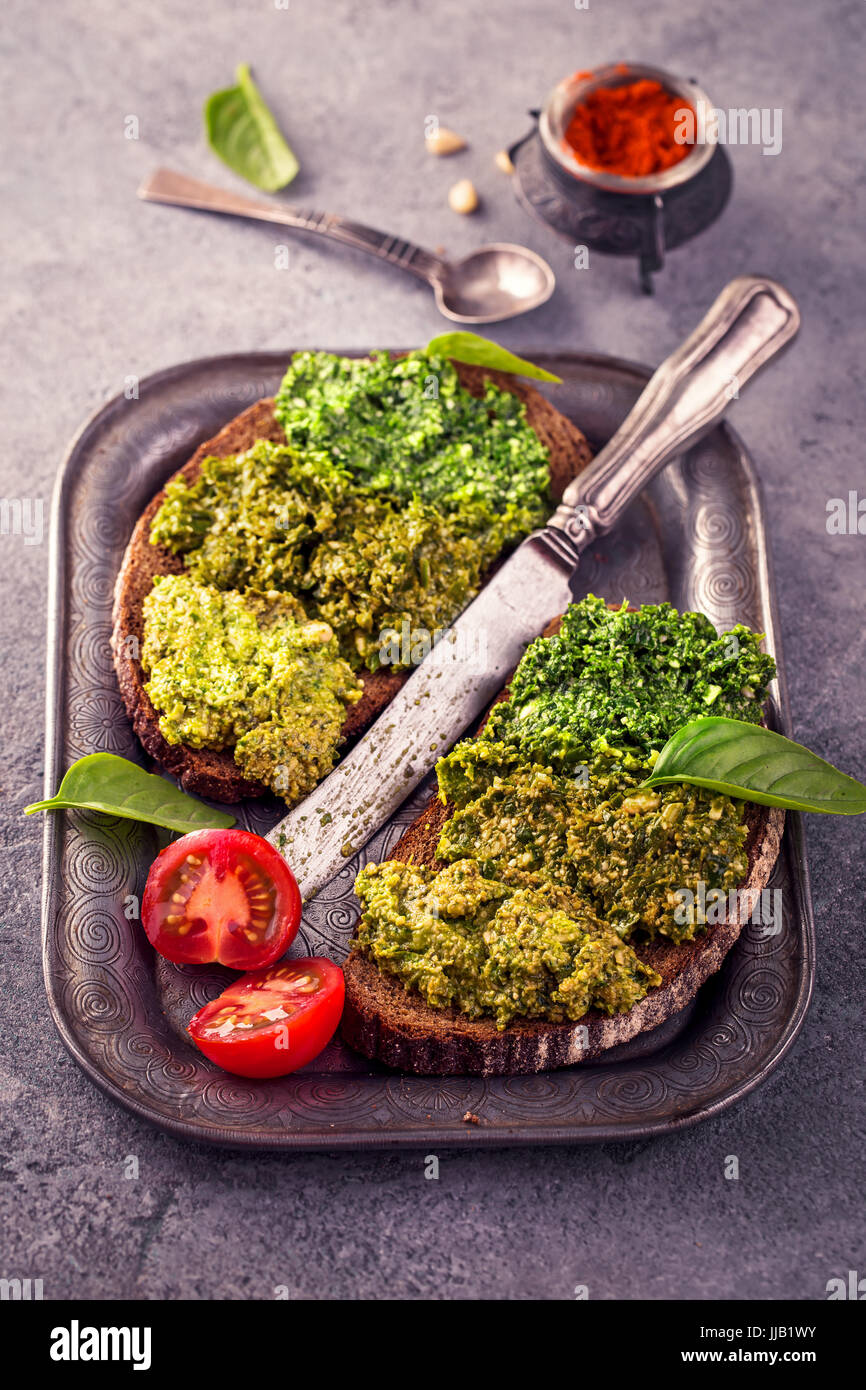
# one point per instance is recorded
(495, 282)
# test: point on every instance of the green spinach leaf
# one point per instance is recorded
(104, 782)
(242, 131)
(480, 352)
(756, 764)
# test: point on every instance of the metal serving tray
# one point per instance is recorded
(696, 537)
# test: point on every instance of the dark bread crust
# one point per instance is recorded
(214, 774)
(388, 1023)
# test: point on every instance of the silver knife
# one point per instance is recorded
(752, 319)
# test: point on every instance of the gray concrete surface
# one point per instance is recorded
(99, 287)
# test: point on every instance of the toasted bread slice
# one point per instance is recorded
(389, 1023)
(213, 773)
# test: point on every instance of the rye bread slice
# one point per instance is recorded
(389, 1023)
(214, 774)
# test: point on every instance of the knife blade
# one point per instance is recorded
(752, 320)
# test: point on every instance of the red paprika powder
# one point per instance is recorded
(628, 130)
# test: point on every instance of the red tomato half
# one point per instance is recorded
(272, 1021)
(221, 895)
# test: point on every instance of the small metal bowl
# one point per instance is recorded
(569, 93)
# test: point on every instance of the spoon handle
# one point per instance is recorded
(165, 186)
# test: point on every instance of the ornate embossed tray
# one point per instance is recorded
(696, 537)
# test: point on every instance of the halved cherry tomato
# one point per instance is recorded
(221, 895)
(272, 1021)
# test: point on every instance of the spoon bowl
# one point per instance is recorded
(493, 283)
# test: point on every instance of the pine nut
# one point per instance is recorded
(463, 197)
(444, 141)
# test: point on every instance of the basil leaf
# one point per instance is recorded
(242, 131)
(480, 352)
(755, 764)
(104, 782)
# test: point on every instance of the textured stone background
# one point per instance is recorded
(99, 286)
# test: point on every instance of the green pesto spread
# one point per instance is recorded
(627, 852)
(247, 671)
(406, 427)
(463, 939)
(383, 510)
(372, 526)
(631, 679)
(353, 558)
(547, 801)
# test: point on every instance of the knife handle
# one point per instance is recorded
(752, 319)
